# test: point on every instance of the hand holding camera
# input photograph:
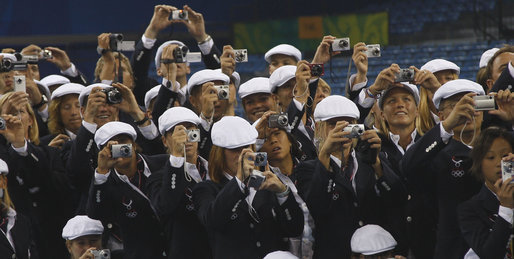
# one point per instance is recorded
(463, 112)
(504, 187)
(303, 76)
(12, 129)
(59, 140)
(360, 59)
(122, 95)
(59, 58)
(194, 23)
(384, 79)
(228, 62)
(425, 79)
(106, 156)
(337, 140)
(245, 164)
(373, 141)
(160, 20)
(505, 101)
(208, 98)
(323, 53)
(272, 183)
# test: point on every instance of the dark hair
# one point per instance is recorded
(483, 144)
(489, 68)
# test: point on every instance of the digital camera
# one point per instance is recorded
(278, 120)
(45, 54)
(507, 170)
(261, 158)
(6, 65)
(101, 254)
(341, 44)
(223, 92)
(20, 84)
(121, 150)
(193, 135)
(179, 15)
(241, 55)
(2, 124)
(113, 95)
(116, 43)
(373, 51)
(405, 75)
(484, 102)
(317, 70)
(356, 130)
(256, 179)
(180, 53)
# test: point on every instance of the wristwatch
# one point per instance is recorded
(44, 101)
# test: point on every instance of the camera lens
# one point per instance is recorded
(376, 52)
(282, 120)
(125, 151)
(343, 44)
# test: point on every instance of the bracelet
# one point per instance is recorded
(371, 95)
(143, 121)
(284, 193)
(206, 40)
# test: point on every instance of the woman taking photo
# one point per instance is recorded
(243, 219)
(486, 219)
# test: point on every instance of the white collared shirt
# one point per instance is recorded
(190, 169)
(355, 168)
(70, 134)
(11, 218)
(396, 139)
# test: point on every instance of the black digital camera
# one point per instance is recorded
(113, 95)
(278, 120)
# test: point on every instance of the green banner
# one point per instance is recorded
(261, 36)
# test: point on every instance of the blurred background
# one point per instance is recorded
(410, 32)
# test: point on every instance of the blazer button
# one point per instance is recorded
(13, 256)
(409, 197)
(258, 244)
(109, 225)
(251, 225)
(409, 219)
(361, 223)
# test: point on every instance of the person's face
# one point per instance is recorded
(445, 76)
(277, 146)
(78, 246)
(285, 94)
(322, 91)
(105, 113)
(279, 60)
(232, 159)
(255, 105)
(447, 106)
(491, 163)
(500, 63)
(6, 82)
(34, 71)
(399, 108)
(191, 147)
(182, 68)
(70, 112)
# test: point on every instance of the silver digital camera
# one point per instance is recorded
(116, 43)
(341, 44)
(405, 75)
(261, 159)
(223, 92)
(484, 102)
(193, 135)
(373, 51)
(20, 84)
(101, 254)
(179, 15)
(2, 124)
(6, 65)
(255, 179)
(507, 170)
(356, 130)
(278, 120)
(45, 54)
(121, 150)
(241, 55)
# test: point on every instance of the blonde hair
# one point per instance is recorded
(6, 201)
(55, 125)
(425, 121)
(33, 130)
(218, 165)
(100, 65)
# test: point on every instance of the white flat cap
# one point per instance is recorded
(454, 87)
(412, 89)
(9, 56)
(235, 76)
(87, 90)
(44, 88)
(152, 93)
(233, 132)
(437, 65)
(253, 86)
(111, 129)
(174, 116)
(204, 76)
(281, 75)
(335, 106)
(4, 169)
(372, 239)
(284, 49)
(280, 255)
(81, 225)
(486, 56)
(69, 88)
(161, 48)
(54, 80)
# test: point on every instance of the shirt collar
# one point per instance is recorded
(70, 134)
(396, 139)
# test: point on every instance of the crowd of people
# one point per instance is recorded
(128, 166)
